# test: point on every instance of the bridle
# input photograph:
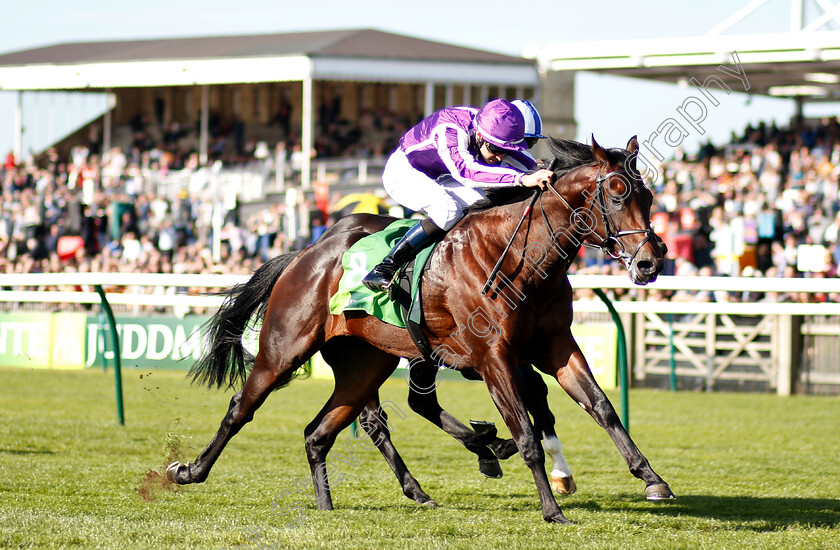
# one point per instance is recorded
(610, 244)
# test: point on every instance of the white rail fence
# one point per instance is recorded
(784, 347)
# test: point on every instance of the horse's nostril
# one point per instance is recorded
(645, 266)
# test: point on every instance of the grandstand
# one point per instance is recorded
(203, 175)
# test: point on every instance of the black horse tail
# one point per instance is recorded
(227, 361)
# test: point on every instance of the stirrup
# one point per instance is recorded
(377, 281)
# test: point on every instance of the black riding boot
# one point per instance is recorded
(380, 277)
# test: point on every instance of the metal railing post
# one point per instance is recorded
(115, 343)
(622, 359)
(672, 363)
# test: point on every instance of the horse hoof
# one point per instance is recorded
(484, 429)
(557, 518)
(490, 467)
(504, 448)
(563, 485)
(659, 491)
(172, 472)
(431, 504)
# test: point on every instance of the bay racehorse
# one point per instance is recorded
(597, 198)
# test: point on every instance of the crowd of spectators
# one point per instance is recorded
(68, 217)
(766, 204)
(174, 145)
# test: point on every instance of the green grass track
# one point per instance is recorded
(749, 471)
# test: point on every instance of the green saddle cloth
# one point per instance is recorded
(360, 259)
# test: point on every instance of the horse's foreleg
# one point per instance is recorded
(374, 420)
(576, 379)
(505, 391)
(561, 475)
(422, 398)
(536, 399)
(241, 411)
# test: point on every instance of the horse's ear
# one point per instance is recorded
(599, 152)
(633, 149)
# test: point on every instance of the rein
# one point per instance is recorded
(498, 265)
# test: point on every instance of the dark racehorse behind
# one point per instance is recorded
(597, 199)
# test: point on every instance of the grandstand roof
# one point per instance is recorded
(800, 64)
(363, 54)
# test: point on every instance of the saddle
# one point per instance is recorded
(406, 310)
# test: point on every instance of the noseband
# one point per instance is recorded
(610, 244)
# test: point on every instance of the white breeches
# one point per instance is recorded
(444, 202)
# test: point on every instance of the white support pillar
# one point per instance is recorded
(51, 123)
(449, 92)
(429, 99)
(484, 96)
(306, 139)
(467, 95)
(106, 132)
(35, 138)
(786, 350)
(204, 138)
(557, 106)
(797, 15)
(17, 148)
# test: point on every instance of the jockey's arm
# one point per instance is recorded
(540, 178)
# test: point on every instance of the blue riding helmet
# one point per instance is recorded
(533, 122)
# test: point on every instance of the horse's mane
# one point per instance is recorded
(570, 154)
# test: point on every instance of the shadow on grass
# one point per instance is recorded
(769, 513)
(753, 513)
(27, 451)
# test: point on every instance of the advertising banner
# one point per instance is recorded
(79, 340)
(25, 340)
(67, 345)
(146, 342)
(599, 344)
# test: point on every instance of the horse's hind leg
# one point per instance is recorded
(241, 410)
(536, 399)
(422, 398)
(354, 388)
(374, 420)
(568, 365)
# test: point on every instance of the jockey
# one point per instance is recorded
(442, 167)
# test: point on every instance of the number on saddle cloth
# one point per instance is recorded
(359, 260)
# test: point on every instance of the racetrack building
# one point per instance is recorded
(271, 87)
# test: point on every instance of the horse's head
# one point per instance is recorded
(615, 213)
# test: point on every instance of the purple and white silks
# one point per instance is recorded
(439, 146)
